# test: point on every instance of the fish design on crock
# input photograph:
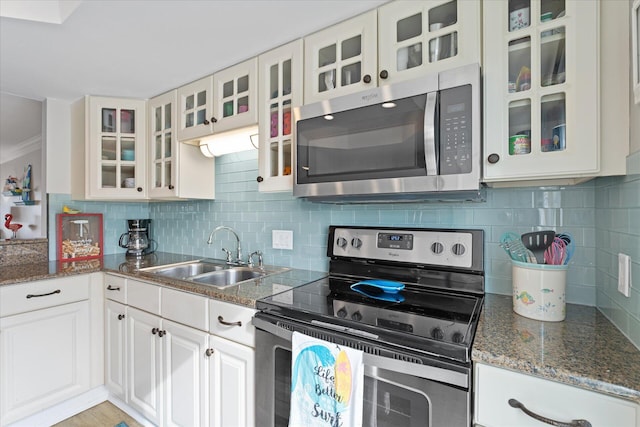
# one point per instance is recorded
(525, 298)
(546, 290)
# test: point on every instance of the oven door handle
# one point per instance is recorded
(339, 328)
(430, 152)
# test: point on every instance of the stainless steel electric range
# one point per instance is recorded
(408, 298)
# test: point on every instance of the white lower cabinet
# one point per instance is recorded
(168, 370)
(115, 360)
(167, 360)
(45, 348)
(232, 378)
(495, 387)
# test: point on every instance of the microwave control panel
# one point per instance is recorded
(455, 130)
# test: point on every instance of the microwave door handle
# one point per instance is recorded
(430, 159)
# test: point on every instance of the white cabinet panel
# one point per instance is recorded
(494, 387)
(145, 364)
(44, 359)
(24, 297)
(232, 370)
(186, 373)
(116, 349)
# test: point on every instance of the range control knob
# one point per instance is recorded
(356, 316)
(457, 337)
(437, 333)
(458, 249)
(356, 243)
(342, 242)
(342, 313)
(437, 248)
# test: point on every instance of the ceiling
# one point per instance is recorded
(142, 48)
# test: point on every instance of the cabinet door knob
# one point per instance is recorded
(259, 179)
(493, 158)
(214, 120)
(206, 122)
(209, 352)
(139, 189)
(120, 316)
(171, 187)
(366, 78)
(161, 333)
(384, 74)
(154, 331)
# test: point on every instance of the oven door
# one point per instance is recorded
(396, 393)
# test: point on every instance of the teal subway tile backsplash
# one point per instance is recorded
(617, 213)
(600, 214)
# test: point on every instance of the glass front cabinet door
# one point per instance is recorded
(341, 59)
(280, 72)
(416, 37)
(195, 109)
(235, 96)
(162, 145)
(541, 89)
(116, 162)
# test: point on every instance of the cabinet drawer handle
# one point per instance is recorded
(111, 288)
(209, 352)
(120, 316)
(221, 320)
(57, 291)
(573, 423)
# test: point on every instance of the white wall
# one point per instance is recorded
(58, 146)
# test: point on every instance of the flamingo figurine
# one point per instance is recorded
(13, 227)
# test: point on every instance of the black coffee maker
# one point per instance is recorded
(137, 241)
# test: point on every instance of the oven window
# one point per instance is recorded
(371, 142)
(385, 404)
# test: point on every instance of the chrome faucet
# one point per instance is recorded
(238, 249)
(250, 259)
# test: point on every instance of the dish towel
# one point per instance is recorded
(326, 384)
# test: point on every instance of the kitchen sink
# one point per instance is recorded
(228, 277)
(210, 273)
(184, 270)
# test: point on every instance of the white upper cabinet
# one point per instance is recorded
(162, 145)
(280, 72)
(341, 59)
(400, 41)
(109, 149)
(540, 89)
(195, 109)
(415, 37)
(235, 91)
(176, 170)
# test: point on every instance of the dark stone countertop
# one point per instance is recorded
(585, 350)
(245, 293)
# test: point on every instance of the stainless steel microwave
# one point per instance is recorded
(414, 140)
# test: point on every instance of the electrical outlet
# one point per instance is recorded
(624, 274)
(282, 239)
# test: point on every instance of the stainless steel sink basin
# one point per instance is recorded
(184, 270)
(217, 274)
(229, 277)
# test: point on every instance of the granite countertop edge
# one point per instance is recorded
(555, 351)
